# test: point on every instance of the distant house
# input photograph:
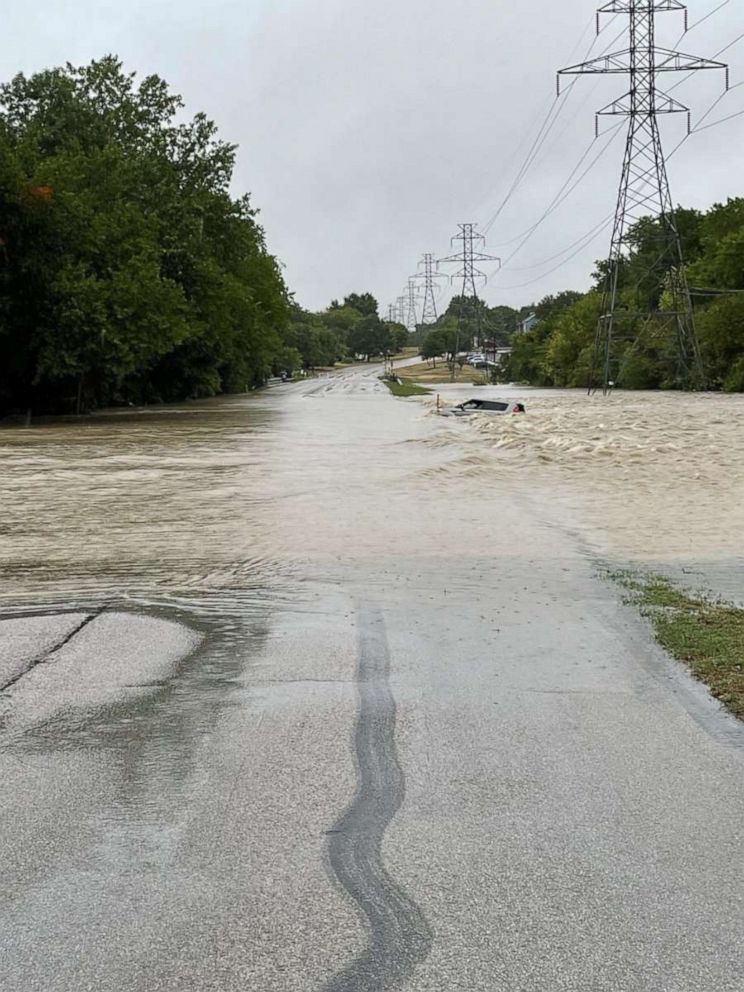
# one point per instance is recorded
(528, 323)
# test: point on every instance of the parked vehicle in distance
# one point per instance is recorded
(499, 407)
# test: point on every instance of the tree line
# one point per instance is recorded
(466, 320)
(128, 271)
(558, 350)
(351, 329)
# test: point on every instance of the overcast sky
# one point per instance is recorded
(368, 129)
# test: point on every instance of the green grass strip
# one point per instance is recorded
(705, 634)
(406, 388)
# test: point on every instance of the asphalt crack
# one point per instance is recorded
(42, 658)
(399, 936)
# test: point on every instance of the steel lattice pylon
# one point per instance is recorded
(644, 189)
(429, 277)
(411, 321)
(469, 273)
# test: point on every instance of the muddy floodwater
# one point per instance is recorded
(211, 502)
(655, 479)
(314, 690)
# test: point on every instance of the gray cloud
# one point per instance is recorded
(368, 131)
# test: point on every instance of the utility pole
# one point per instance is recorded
(428, 274)
(644, 188)
(469, 274)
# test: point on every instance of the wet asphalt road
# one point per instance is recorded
(373, 732)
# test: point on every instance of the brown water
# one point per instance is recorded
(656, 477)
(214, 503)
(208, 503)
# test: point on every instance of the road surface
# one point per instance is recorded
(290, 708)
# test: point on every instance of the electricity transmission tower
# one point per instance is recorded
(400, 310)
(429, 275)
(411, 319)
(644, 190)
(469, 273)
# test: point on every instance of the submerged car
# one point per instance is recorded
(484, 406)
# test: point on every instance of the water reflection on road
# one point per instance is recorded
(206, 502)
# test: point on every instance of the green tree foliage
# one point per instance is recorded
(363, 303)
(527, 360)
(475, 319)
(530, 361)
(371, 337)
(499, 324)
(397, 337)
(433, 346)
(127, 271)
(358, 330)
(569, 348)
(314, 343)
(559, 349)
(721, 331)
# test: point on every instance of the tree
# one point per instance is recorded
(560, 348)
(498, 324)
(721, 331)
(433, 346)
(340, 320)
(396, 336)
(316, 344)
(363, 303)
(569, 349)
(128, 271)
(368, 337)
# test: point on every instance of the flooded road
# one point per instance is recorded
(314, 690)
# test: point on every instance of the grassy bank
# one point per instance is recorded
(440, 374)
(705, 634)
(406, 388)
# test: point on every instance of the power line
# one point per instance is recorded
(565, 191)
(698, 129)
(716, 55)
(706, 16)
(546, 261)
(691, 27)
(542, 135)
(592, 236)
(604, 223)
(533, 227)
(723, 120)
